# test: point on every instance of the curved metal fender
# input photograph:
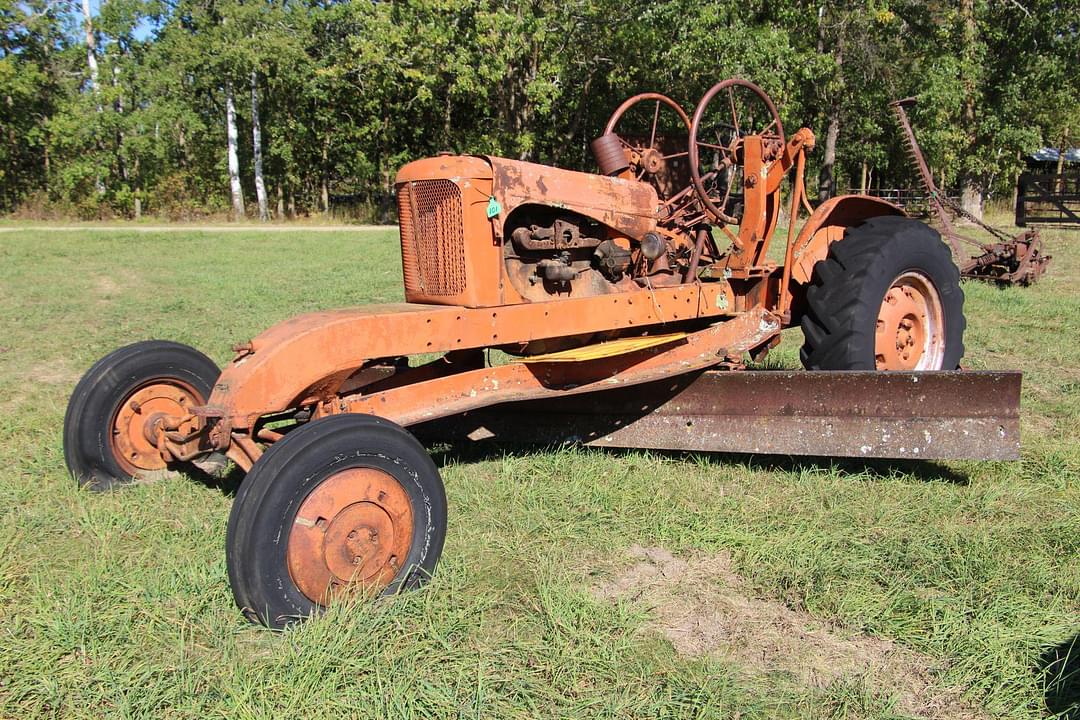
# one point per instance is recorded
(827, 225)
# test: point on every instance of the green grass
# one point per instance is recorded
(119, 605)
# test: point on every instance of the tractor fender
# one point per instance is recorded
(827, 224)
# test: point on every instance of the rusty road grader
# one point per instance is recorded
(625, 303)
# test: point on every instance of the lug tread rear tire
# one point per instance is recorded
(845, 294)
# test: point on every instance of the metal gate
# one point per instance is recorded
(1048, 199)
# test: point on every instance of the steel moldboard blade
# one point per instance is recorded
(928, 415)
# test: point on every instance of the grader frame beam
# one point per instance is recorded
(308, 358)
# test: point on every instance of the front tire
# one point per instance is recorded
(105, 442)
(345, 504)
(887, 297)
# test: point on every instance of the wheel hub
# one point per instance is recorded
(353, 531)
(652, 161)
(135, 425)
(910, 327)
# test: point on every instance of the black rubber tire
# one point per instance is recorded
(97, 397)
(265, 508)
(840, 313)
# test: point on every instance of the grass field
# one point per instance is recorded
(574, 583)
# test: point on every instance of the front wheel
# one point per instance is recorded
(344, 505)
(109, 427)
(887, 297)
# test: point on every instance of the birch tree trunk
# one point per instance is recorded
(234, 161)
(91, 48)
(971, 189)
(91, 63)
(256, 141)
(324, 180)
(119, 108)
(827, 176)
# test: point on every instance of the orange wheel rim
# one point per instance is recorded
(137, 419)
(910, 333)
(353, 532)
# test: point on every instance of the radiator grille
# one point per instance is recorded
(432, 237)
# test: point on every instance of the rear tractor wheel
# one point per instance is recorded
(110, 424)
(347, 505)
(887, 297)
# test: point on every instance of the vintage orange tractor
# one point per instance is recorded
(653, 274)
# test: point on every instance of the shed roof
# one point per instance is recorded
(1049, 154)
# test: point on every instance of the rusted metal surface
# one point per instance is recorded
(440, 397)
(622, 298)
(432, 237)
(532, 259)
(910, 326)
(650, 154)
(1010, 260)
(142, 417)
(352, 532)
(610, 155)
(727, 153)
(309, 357)
(449, 255)
(926, 415)
(827, 224)
(1019, 261)
(625, 205)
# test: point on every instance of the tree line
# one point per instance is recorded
(279, 108)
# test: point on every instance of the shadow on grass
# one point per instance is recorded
(227, 482)
(872, 468)
(464, 451)
(1059, 670)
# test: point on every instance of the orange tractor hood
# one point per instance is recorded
(627, 206)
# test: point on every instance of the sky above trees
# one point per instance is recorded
(344, 93)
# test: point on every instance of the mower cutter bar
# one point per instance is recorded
(925, 415)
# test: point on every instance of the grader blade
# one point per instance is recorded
(924, 415)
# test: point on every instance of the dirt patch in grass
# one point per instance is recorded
(704, 608)
(52, 372)
(105, 286)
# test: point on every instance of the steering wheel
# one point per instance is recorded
(648, 151)
(716, 141)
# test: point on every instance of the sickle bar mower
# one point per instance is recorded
(1009, 260)
(627, 302)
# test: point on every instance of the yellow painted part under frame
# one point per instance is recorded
(605, 349)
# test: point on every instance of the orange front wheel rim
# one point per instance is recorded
(352, 532)
(138, 420)
(910, 332)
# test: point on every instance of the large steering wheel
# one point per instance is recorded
(648, 159)
(716, 141)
